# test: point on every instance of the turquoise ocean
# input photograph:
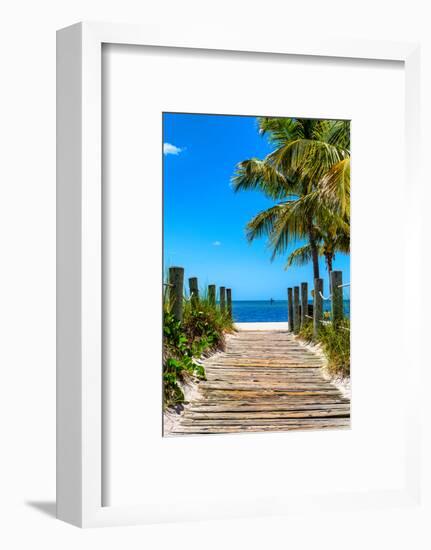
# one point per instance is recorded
(263, 311)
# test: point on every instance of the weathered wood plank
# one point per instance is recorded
(262, 408)
(252, 416)
(264, 381)
(345, 424)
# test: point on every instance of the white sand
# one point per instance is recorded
(172, 416)
(262, 326)
(342, 384)
(191, 390)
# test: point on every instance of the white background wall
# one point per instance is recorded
(27, 269)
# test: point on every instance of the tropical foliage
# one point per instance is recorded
(335, 343)
(201, 332)
(308, 175)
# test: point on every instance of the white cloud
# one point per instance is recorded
(216, 243)
(169, 149)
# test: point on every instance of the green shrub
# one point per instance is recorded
(205, 325)
(306, 331)
(335, 342)
(177, 359)
(200, 332)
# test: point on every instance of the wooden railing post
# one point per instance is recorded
(222, 299)
(304, 303)
(176, 286)
(229, 301)
(194, 290)
(337, 297)
(296, 320)
(318, 306)
(290, 309)
(212, 294)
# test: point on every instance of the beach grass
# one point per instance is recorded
(200, 333)
(335, 343)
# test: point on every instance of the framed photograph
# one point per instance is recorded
(232, 329)
(254, 356)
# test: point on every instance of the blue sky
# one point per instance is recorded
(204, 220)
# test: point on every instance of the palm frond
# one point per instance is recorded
(306, 158)
(263, 223)
(258, 174)
(300, 256)
(290, 225)
(334, 132)
(342, 242)
(280, 130)
(334, 187)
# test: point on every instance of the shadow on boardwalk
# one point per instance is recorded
(264, 381)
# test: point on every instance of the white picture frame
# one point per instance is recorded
(79, 255)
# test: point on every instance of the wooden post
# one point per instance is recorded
(304, 303)
(290, 309)
(229, 301)
(212, 294)
(223, 299)
(194, 290)
(318, 306)
(337, 297)
(296, 320)
(176, 285)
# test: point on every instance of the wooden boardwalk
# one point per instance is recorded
(264, 381)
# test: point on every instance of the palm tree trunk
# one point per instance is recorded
(329, 258)
(314, 253)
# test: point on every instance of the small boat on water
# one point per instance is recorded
(271, 301)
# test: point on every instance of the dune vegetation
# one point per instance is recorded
(200, 333)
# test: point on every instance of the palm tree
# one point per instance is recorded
(301, 174)
(328, 247)
(333, 216)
